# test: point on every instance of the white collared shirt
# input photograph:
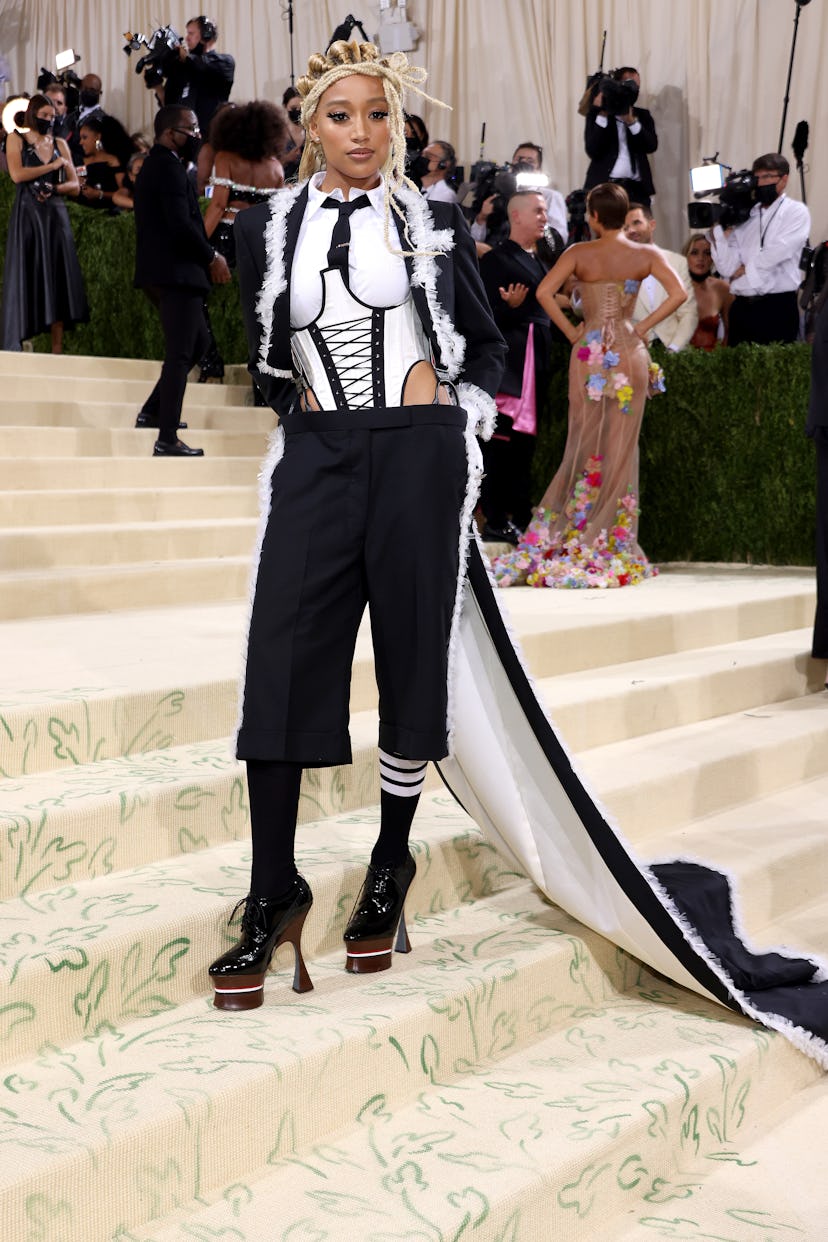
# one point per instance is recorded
(769, 244)
(377, 277)
(623, 166)
(440, 191)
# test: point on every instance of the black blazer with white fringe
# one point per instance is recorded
(446, 286)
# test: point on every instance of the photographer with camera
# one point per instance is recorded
(495, 186)
(618, 136)
(195, 74)
(174, 265)
(760, 257)
(42, 282)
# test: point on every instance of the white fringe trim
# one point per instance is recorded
(275, 453)
(275, 278)
(805, 1041)
(474, 468)
(425, 237)
(481, 405)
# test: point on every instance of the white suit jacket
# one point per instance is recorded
(674, 331)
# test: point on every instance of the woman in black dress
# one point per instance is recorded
(42, 282)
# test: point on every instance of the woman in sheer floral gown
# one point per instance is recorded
(584, 533)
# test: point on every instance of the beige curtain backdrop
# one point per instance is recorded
(713, 73)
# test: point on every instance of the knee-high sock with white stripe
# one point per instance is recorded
(401, 782)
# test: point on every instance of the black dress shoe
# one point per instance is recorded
(148, 420)
(178, 449)
(501, 534)
(378, 922)
(267, 922)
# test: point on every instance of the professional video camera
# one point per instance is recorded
(735, 192)
(161, 46)
(65, 76)
(814, 288)
(617, 98)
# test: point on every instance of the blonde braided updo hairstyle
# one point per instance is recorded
(341, 61)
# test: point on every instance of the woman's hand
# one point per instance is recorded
(573, 335)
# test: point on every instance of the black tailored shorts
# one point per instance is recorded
(365, 509)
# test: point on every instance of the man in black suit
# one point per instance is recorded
(197, 75)
(618, 143)
(511, 274)
(817, 428)
(174, 265)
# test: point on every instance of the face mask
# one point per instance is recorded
(418, 167)
(89, 98)
(189, 148)
(295, 115)
(412, 145)
(765, 194)
(42, 125)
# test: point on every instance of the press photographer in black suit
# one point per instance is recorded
(196, 75)
(618, 143)
(174, 265)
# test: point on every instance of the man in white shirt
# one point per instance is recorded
(528, 157)
(676, 330)
(760, 258)
(441, 164)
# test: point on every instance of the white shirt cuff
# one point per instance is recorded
(603, 121)
(635, 128)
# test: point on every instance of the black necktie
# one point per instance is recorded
(341, 237)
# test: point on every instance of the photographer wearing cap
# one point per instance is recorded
(196, 75)
(174, 265)
(618, 136)
(760, 258)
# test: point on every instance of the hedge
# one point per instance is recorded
(726, 471)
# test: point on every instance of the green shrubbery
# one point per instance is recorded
(726, 471)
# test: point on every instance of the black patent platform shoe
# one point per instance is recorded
(377, 926)
(238, 975)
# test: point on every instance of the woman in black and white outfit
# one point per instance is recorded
(364, 307)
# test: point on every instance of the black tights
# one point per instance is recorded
(273, 788)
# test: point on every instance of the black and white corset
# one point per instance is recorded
(355, 356)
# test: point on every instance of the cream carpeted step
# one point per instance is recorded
(85, 589)
(42, 547)
(509, 1060)
(81, 388)
(101, 815)
(134, 442)
(112, 473)
(174, 916)
(653, 783)
(38, 413)
(773, 1188)
(775, 846)
(596, 707)
(615, 1104)
(114, 506)
(681, 611)
(89, 367)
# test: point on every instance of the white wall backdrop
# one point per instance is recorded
(713, 71)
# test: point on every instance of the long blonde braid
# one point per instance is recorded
(341, 61)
